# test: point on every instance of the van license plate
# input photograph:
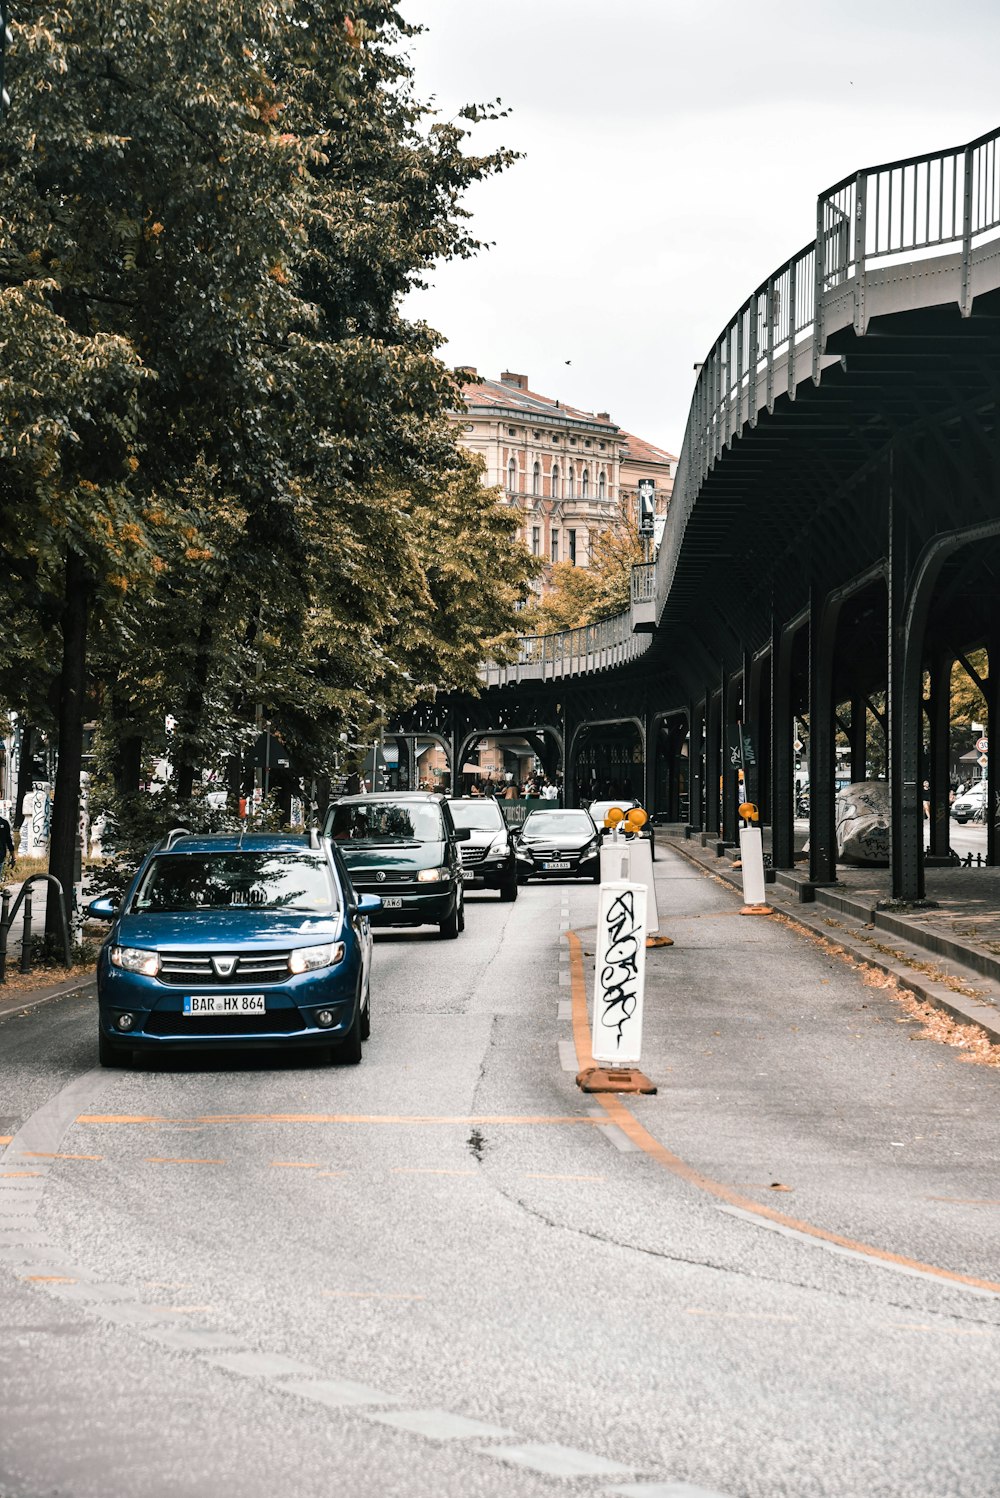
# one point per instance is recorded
(225, 1003)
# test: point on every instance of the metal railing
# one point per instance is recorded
(7, 920)
(905, 210)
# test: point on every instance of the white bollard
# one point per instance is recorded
(752, 861)
(619, 974)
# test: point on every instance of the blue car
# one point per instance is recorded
(236, 941)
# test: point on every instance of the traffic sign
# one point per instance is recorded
(982, 746)
(984, 760)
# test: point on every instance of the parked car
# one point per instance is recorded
(488, 860)
(236, 941)
(599, 810)
(971, 804)
(558, 844)
(403, 847)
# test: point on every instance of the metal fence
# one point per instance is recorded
(881, 215)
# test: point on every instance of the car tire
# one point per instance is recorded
(522, 879)
(348, 1052)
(595, 877)
(508, 888)
(366, 1017)
(461, 912)
(449, 927)
(110, 1054)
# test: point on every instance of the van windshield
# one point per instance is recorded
(387, 822)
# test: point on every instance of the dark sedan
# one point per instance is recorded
(558, 844)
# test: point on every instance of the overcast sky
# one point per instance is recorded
(673, 154)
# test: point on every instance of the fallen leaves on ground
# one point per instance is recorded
(18, 984)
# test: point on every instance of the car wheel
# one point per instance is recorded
(508, 888)
(595, 877)
(348, 1052)
(449, 927)
(110, 1054)
(521, 878)
(461, 913)
(366, 1015)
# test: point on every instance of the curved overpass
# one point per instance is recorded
(833, 542)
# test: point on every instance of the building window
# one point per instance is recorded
(572, 442)
(601, 485)
(511, 431)
(588, 443)
(585, 484)
(536, 540)
(536, 479)
(556, 482)
(572, 484)
(554, 553)
(571, 544)
(512, 476)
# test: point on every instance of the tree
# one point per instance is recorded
(218, 427)
(577, 596)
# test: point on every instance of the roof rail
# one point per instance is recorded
(173, 835)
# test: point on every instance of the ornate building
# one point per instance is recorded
(571, 472)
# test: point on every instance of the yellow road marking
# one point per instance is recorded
(166, 1160)
(10, 1174)
(640, 1136)
(462, 1121)
(45, 1155)
(49, 1279)
(295, 1164)
(6, 1138)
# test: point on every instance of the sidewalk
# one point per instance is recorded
(947, 952)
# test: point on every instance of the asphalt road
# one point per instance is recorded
(447, 1272)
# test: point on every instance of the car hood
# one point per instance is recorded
(570, 841)
(390, 856)
(481, 837)
(226, 928)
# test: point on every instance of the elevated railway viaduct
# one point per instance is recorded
(833, 544)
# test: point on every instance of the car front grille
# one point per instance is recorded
(546, 854)
(472, 855)
(275, 1022)
(189, 968)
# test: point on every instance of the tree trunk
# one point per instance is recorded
(24, 773)
(72, 688)
(190, 724)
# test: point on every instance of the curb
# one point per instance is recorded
(35, 996)
(964, 1010)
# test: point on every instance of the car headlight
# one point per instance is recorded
(135, 960)
(307, 959)
(431, 876)
(500, 843)
(591, 847)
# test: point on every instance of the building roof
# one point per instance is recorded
(501, 395)
(512, 394)
(644, 452)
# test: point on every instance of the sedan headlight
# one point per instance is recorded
(500, 843)
(431, 876)
(308, 959)
(590, 848)
(135, 960)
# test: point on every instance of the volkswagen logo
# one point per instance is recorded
(380, 876)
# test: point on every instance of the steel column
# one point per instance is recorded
(696, 747)
(730, 771)
(713, 761)
(904, 714)
(940, 726)
(782, 730)
(859, 736)
(822, 718)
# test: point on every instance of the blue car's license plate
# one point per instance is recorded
(225, 1003)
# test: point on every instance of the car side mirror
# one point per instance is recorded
(462, 834)
(103, 909)
(368, 904)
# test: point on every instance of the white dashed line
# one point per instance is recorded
(567, 1056)
(439, 1425)
(664, 1490)
(612, 1132)
(337, 1393)
(557, 1461)
(262, 1365)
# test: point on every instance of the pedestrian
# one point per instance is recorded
(7, 854)
(474, 789)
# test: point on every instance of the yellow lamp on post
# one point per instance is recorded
(613, 816)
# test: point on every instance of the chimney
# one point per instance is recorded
(604, 415)
(519, 382)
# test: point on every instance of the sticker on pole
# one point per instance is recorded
(619, 974)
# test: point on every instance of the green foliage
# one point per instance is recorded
(212, 210)
(585, 595)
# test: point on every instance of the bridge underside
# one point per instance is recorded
(844, 550)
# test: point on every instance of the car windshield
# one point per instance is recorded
(599, 809)
(476, 814)
(553, 823)
(235, 880)
(387, 822)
